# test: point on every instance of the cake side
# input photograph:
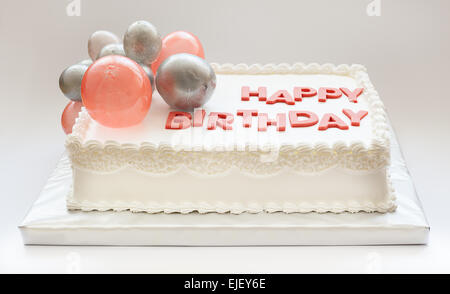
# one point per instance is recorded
(184, 192)
(117, 170)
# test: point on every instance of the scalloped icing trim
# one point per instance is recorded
(303, 158)
(202, 208)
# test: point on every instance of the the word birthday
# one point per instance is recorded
(178, 120)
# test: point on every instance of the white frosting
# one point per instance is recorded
(159, 156)
(333, 190)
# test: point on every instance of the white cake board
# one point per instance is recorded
(49, 222)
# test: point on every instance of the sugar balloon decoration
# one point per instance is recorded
(116, 91)
(142, 42)
(185, 81)
(116, 84)
(70, 81)
(70, 115)
(178, 42)
(98, 40)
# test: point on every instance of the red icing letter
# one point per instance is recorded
(330, 120)
(221, 119)
(199, 115)
(264, 121)
(247, 117)
(355, 118)
(281, 96)
(178, 120)
(246, 93)
(352, 96)
(301, 92)
(311, 120)
(328, 93)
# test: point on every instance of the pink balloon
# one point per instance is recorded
(178, 42)
(116, 91)
(69, 115)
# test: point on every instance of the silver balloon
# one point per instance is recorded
(150, 75)
(98, 40)
(70, 81)
(111, 49)
(185, 81)
(86, 62)
(142, 42)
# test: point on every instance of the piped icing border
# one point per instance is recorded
(303, 158)
(237, 208)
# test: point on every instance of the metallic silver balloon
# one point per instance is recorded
(111, 49)
(185, 81)
(142, 42)
(70, 81)
(150, 75)
(86, 62)
(98, 40)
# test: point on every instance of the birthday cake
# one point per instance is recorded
(248, 138)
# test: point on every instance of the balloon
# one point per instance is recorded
(111, 49)
(178, 42)
(142, 42)
(185, 81)
(70, 81)
(69, 115)
(98, 40)
(116, 91)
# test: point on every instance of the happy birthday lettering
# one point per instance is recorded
(178, 120)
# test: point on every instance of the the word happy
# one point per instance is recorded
(177, 120)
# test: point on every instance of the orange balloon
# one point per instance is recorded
(116, 91)
(69, 115)
(178, 42)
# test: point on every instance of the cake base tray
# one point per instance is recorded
(50, 223)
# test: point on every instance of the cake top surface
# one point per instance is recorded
(228, 99)
(349, 131)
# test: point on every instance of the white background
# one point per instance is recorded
(406, 50)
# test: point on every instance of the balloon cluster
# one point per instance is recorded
(116, 84)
